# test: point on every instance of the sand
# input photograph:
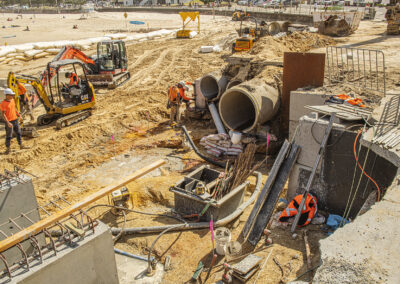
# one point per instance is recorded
(131, 120)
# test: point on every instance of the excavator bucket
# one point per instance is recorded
(29, 131)
(108, 80)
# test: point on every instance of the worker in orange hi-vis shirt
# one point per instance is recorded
(10, 116)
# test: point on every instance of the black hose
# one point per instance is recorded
(195, 226)
(205, 158)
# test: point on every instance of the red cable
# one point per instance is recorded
(355, 156)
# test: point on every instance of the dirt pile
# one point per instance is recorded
(269, 47)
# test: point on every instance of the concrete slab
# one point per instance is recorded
(92, 261)
(365, 251)
(299, 99)
(133, 271)
(309, 136)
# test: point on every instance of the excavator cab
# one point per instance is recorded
(111, 56)
(69, 87)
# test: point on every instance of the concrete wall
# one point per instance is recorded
(267, 16)
(92, 261)
(366, 250)
(336, 172)
(16, 198)
(298, 101)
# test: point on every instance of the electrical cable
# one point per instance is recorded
(304, 273)
(135, 211)
(362, 168)
(351, 190)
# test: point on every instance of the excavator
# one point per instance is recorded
(239, 15)
(107, 69)
(65, 101)
(248, 36)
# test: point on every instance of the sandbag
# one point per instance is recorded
(8, 60)
(4, 50)
(53, 50)
(32, 53)
(23, 47)
(43, 45)
(11, 55)
(40, 55)
(22, 58)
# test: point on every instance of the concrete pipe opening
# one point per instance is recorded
(213, 85)
(274, 28)
(247, 105)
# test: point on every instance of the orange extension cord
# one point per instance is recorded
(355, 156)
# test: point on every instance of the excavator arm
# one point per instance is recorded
(70, 52)
(28, 80)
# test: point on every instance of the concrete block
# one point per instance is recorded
(293, 185)
(17, 196)
(133, 271)
(364, 251)
(92, 261)
(299, 99)
(310, 134)
(335, 175)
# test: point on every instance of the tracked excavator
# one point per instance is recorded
(65, 100)
(106, 69)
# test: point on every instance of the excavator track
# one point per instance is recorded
(119, 80)
(72, 118)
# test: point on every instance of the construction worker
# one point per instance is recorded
(176, 95)
(73, 78)
(25, 101)
(10, 115)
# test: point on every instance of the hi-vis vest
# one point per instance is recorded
(349, 100)
(308, 212)
(74, 80)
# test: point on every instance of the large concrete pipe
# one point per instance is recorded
(200, 100)
(245, 106)
(278, 27)
(233, 83)
(213, 85)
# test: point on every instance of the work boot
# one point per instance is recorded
(8, 150)
(22, 147)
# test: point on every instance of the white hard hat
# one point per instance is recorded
(8, 91)
(182, 83)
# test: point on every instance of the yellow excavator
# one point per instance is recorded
(248, 36)
(240, 15)
(67, 96)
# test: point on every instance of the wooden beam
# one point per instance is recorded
(63, 213)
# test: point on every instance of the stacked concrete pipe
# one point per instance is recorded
(278, 27)
(247, 105)
(233, 83)
(213, 85)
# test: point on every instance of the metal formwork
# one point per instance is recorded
(55, 235)
(363, 68)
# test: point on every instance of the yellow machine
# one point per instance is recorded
(189, 16)
(65, 101)
(240, 15)
(120, 198)
(247, 37)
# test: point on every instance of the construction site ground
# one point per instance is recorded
(129, 129)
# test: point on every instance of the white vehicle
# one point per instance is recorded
(242, 2)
